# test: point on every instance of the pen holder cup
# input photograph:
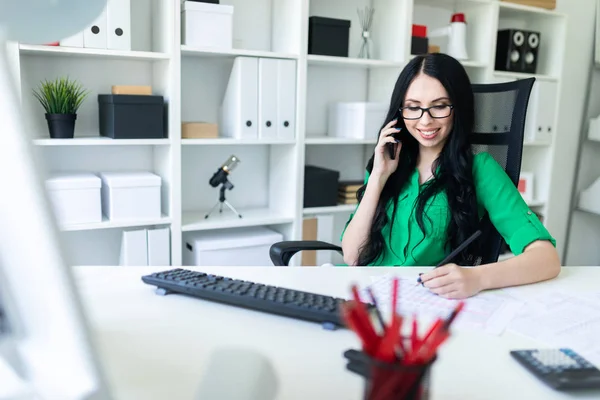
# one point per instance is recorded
(390, 381)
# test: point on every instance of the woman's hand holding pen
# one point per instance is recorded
(453, 282)
(383, 165)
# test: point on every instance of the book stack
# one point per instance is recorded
(347, 192)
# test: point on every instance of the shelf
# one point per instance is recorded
(195, 221)
(314, 59)
(230, 53)
(106, 224)
(231, 141)
(521, 75)
(588, 210)
(101, 141)
(473, 64)
(505, 256)
(514, 9)
(466, 63)
(536, 203)
(538, 143)
(59, 51)
(453, 5)
(333, 140)
(195, 79)
(341, 208)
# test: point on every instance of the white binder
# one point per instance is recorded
(118, 22)
(539, 122)
(94, 36)
(134, 247)
(158, 247)
(588, 198)
(547, 109)
(239, 110)
(286, 99)
(267, 98)
(325, 234)
(75, 40)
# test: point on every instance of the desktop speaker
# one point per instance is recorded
(517, 50)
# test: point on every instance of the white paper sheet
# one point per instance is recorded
(486, 312)
(562, 319)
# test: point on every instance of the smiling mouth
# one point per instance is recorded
(428, 134)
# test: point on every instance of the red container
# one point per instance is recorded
(419, 30)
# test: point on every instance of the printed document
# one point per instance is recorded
(562, 319)
(488, 312)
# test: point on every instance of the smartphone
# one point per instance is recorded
(392, 147)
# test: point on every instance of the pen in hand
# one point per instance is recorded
(454, 253)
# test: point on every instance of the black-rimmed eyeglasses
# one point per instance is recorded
(441, 111)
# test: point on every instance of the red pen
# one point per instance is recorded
(387, 345)
(433, 328)
(413, 337)
(437, 335)
(362, 327)
(363, 313)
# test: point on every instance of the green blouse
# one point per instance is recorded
(496, 194)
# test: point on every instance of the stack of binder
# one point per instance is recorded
(110, 30)
(347, 192)
(143, 247)
(260, 99)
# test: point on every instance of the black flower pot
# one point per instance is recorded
(61, 126)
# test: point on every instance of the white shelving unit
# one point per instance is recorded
(269, 181)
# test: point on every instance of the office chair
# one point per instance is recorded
(500, 113)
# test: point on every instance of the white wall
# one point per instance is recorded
(584, 228)
(577, 64)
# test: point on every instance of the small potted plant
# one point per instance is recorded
(61, 99)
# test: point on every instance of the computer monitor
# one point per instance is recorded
(44, 335)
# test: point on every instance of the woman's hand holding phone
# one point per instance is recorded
(383, 164)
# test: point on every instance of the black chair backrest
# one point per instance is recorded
(500, 112)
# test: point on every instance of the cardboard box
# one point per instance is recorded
(199, 130)
(131, 89)
(309, 232)
(549, 4)
(432, 48)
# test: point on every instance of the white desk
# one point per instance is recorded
(155, 347)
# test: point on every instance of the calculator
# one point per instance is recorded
(561, 369)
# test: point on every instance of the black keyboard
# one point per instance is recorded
(255, 296)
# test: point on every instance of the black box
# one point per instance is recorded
(328, 36)
(320, 186)
(129, 116)
(419, 45)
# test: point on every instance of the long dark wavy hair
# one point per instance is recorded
(454, 175)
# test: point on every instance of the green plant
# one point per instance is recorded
(60, 96)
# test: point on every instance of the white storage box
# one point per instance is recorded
(130, 196)
(230, 247)
(356, 120)
(75, 197)
(206, 25)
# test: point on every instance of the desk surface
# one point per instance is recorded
(156, 347)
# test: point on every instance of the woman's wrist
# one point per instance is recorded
(377, 180)
(481, 277)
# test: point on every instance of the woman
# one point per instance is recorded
(417, 206)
